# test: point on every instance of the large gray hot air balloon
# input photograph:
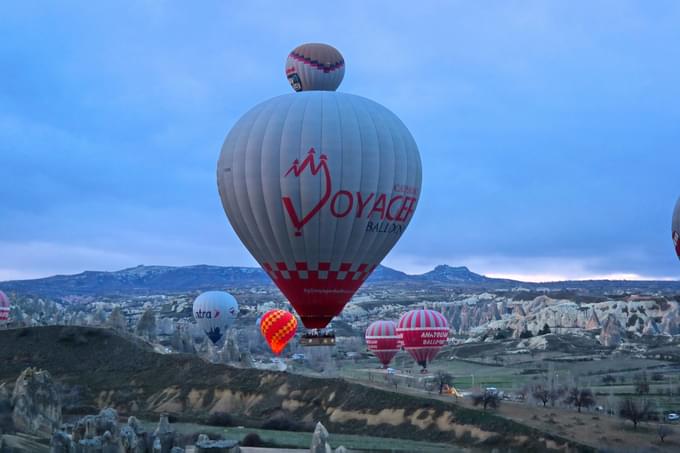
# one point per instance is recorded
(319, 186)
(215, 312)
(676, 228)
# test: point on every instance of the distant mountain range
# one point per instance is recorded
(144, 280)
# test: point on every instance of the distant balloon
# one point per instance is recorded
(383, 341)
(215, 312)
(676, 228)
(423, 332)
(278, 327)
(4, 308)
(315, 67)
(319, 186)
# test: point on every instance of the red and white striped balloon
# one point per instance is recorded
(383, 341)
(4, 308)
(423, 332)
(675, 228)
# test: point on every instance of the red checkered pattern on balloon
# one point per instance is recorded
(324, 271)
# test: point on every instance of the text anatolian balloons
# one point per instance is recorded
(4, 308)
(383, 341)
(278, 327)
(423, 332)
(215, 312)
(314, 67)
(676, 228)
(319, 186)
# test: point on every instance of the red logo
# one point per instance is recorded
(384, 212)
(297, 169)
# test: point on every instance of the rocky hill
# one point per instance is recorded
(146, 280)
(96, 368)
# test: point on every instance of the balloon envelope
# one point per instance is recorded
(278, 327)
(423, 332)
(676, 228)
(215, 312)
(4, 308)
(319, 186)
(313, 66)
(383, 341)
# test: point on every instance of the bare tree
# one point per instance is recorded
(541, 393)
(635, 411)
(146, 327)
(580, 398)
(117, 320)
(664, 431)
(487, 399)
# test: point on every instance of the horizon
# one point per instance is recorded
(547, 134)
(621, 278)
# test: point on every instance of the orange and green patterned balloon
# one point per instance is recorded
(278, 327)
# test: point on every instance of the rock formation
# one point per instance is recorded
(651, 328)
(612, 332)
(593, 322)
(164, 435)
(320, 440)
(37, 403)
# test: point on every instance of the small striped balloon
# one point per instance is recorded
(423, 332)
(4, 308)
(278, 327)
(383, 341)
(315, 67)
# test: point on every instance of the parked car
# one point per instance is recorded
(391, 371)
(672, 417)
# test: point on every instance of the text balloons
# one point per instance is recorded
(423, 332)
(383, 341)
(278, 327)
(312, 67)
(215, 312)
(676, 228)
(4, 308)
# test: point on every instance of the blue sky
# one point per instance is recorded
(548, 131)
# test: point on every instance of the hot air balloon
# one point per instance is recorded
(383, 341)
(278, 327)
(4, 308)
(676, 228)
(319, 186)
(423, 332)
(315, 67)
(215, 312)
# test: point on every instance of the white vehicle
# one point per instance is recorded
(672, 417)
(391, 371)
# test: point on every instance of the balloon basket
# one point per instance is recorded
(317, 339)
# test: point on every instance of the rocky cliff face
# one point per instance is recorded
(612, 332)
(36, 402)
(479, 314)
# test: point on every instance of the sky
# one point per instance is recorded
(548, 131)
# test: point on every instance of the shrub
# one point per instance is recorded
(252, 440)
(282, 423)
(220, 419)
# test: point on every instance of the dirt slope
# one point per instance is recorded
(98, 368)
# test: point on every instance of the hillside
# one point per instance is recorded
(99, 368)
(146, 280)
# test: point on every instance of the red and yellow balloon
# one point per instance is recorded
(278, 327)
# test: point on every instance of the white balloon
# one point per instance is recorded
(215, 312)
(319, 186)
